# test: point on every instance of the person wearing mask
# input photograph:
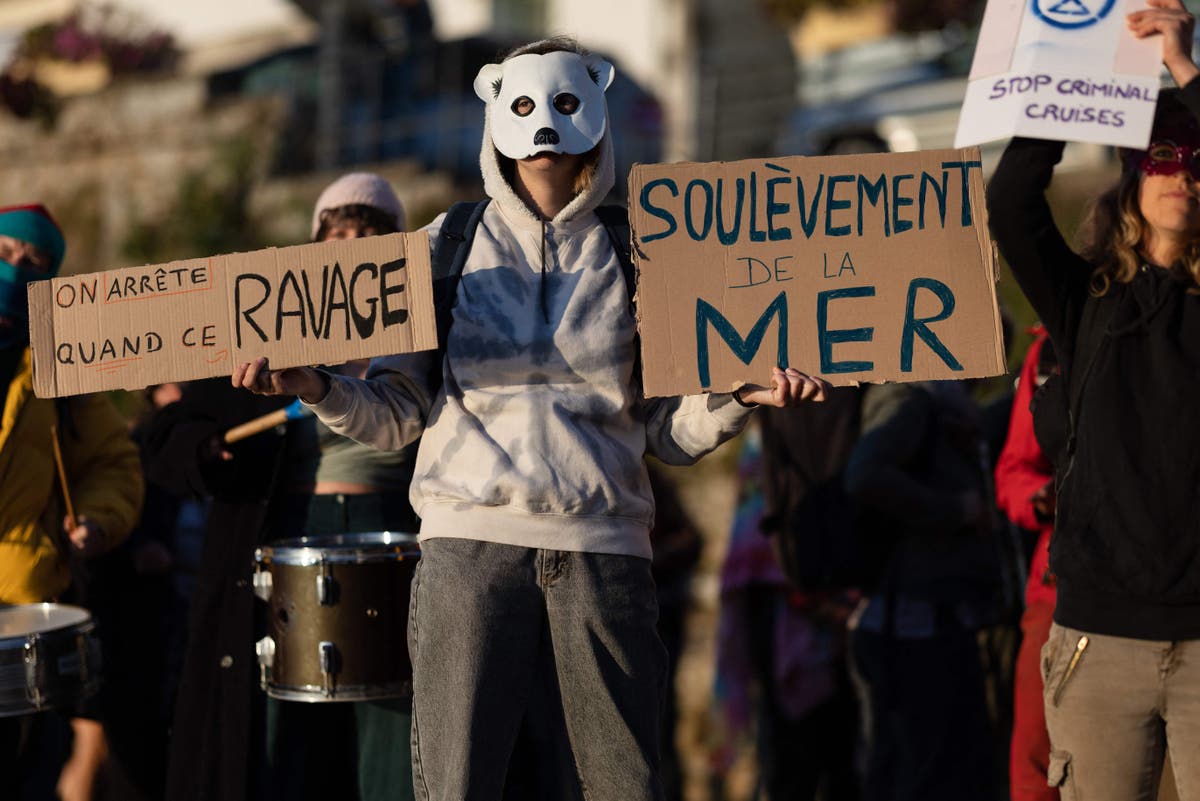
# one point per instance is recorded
(534, 586)
(39, 543)
(1121, 666)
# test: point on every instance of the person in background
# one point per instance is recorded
(781, 653)
(39, 544)
(346, 750)
(917, 469)
(677, 548)
(229, 741)
(1121, 665)
(1025, 492)
(130, 593)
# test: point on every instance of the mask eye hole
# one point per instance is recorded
(566, 103)
(1162, 151)
(523, 106)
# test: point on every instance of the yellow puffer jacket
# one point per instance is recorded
(103, 472)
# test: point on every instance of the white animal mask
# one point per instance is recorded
(552, 103)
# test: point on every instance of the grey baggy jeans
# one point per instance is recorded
(499, 634)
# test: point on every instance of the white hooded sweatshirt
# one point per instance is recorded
(537, 434)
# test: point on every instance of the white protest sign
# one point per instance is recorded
(1061, 69)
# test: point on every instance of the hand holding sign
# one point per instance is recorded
(789, 387)
(322, 303)
(1072, 70)
(1172, 20)
(258, 377)
(868, 268)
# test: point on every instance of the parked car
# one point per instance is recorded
(900, 93)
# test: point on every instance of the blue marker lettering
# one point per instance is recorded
(826, 339)
(744, 349)
(920, 327)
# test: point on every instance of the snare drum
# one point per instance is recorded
(49, 657)
(338, 616)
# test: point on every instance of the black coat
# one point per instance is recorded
(216, 748)
(1126, 546)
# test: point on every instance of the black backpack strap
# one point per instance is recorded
(615, 220)
(450, 251)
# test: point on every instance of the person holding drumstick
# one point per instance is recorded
(53, 511)
(328, 750)
(229, 742)
(534, 587)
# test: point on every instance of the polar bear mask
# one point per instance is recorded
(552, 103)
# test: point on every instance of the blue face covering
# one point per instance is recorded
(14, 303)
(32, 225)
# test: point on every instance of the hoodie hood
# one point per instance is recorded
(501, 191)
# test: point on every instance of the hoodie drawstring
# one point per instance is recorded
(542, 290)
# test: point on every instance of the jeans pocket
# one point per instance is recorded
(1068, 659)
(1060, 775)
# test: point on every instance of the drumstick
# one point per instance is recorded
(295, 411)
(62, 478)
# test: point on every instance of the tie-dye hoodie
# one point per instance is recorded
(537, 434)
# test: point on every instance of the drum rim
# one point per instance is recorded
(357, 548)
(313, 693)
(76, 627)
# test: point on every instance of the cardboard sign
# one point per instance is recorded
(1061, 69)
(867, 268)
(322, 303)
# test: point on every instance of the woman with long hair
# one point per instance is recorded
(1121, 668)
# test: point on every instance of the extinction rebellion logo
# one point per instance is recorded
(1070, 14)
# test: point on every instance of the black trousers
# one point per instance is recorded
(929, 738)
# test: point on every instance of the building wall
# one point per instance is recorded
(118, 157)
(723, 72)
(747, 80)
(651, 41)
(458, 19)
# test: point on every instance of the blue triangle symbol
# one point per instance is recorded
(1073, 8)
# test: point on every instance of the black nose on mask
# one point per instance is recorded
(545, 136)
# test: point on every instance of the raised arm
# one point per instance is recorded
(1053, 277)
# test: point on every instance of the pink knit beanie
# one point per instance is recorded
(365, 188)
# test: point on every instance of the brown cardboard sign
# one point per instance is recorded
(323, 303)
(866, 268)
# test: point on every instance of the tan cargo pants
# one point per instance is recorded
(1113, 706)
